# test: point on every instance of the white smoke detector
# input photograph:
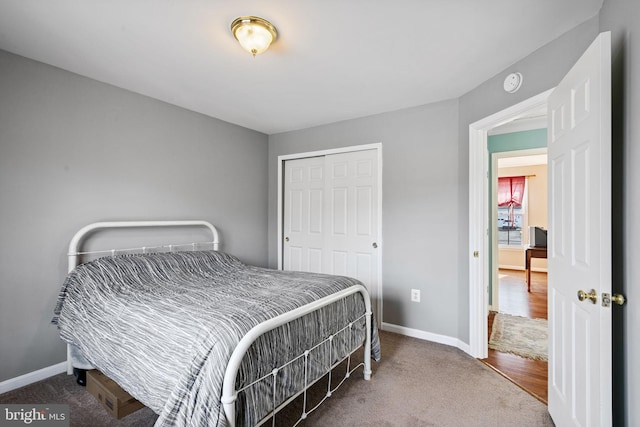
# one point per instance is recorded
(513, 82)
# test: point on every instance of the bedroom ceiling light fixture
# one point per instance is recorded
(254, 34)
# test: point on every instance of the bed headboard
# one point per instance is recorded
(79, 237)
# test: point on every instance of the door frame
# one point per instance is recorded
(479, 245)
(283, 158)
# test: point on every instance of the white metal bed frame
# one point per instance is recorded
(229, 392)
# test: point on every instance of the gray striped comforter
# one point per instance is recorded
(163, 326)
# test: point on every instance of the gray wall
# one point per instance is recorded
(621, 18)
(420, 212)
(74, 151)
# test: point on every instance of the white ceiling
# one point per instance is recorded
(334, 59)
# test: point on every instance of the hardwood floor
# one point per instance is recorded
(531, 375)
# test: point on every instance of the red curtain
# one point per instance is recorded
(511, 194)
(511, 191)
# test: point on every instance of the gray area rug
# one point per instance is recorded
(520, 336)
(417, 383)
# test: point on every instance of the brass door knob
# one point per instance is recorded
(618, 299)
(286, 239)
(593, 296)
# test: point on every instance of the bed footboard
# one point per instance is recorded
(229, 392)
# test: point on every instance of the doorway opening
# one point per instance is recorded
(518, 202)
(483, 270)
(517, 321)
(479, 245)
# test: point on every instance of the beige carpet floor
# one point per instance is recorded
(417, 383)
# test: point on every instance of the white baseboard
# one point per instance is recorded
(427, 336)
(32, 377)
(511, 267)
(521, 268)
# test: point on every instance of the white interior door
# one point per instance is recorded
(331, 216)
(579, 138)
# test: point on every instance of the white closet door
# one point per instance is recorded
(303, 215)
(352, 216)
(331, 216)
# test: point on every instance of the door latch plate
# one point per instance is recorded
(607, 299)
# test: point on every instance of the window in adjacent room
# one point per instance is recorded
(511, 210)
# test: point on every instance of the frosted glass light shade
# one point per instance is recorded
(254, 34)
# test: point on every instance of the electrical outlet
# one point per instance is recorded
(415, 295)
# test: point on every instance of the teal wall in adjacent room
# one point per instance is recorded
(514, 141)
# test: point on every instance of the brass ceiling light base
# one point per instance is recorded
(254, 34)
